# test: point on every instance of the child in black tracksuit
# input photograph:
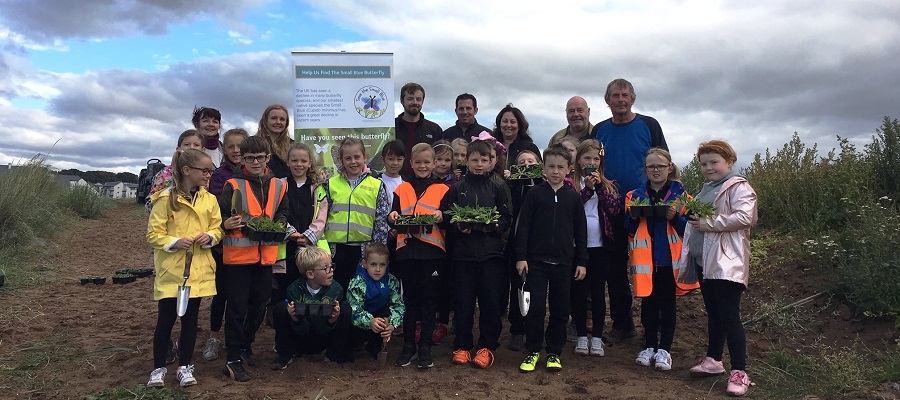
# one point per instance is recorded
(477, 258)
(550, 222)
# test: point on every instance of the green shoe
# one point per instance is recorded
(553, 362)
(530, 362)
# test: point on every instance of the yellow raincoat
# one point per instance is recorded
(165, 227)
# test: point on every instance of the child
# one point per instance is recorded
(310, 334)
(374, 298)
(208, 121)
(654, 252)
(719, 248)
(459, 146)
(273, 127)
(517, 191)
(443, 161)
(233, 139)
(185, 219)
(421, 255)
(189, 139)
(477, 258)
(601, 208)
(307, 209)
(393, 154)
(551, 220)
(247, 274)
(359, 209)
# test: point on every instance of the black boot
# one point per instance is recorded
(406, 356)
(425, 360)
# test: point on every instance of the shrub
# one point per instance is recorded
(86, 202)
(691, 177)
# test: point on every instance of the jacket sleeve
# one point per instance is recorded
(225, 202)
(395, 206)
(396, 305)
(356, 297)
(631, 224)
(504, 206)
(523, 227)
(742, 202)
(317, 226)
(446, 203)
(281, 214)
(214, 223)
(380, 234)
(657, 139)
(157, 231)
(580, 229)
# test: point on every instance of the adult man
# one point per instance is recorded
(466, 126)
(411, 127)
(626, 138)
(578, 115)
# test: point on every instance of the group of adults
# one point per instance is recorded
(626, 137)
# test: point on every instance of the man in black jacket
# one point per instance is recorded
(466, 125)
(411, 127)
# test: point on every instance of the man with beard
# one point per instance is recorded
(466, 125)
(578, 114)
(410, 126)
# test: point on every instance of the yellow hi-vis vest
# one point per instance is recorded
(351, 218)
(427, 204)
(640, 256)
(238, 249)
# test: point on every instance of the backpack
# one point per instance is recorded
(145, 179)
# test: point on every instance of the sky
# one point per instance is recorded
(108, 84)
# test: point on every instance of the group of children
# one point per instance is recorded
(348, 276)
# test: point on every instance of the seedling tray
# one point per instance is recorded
(413, 228)
(313, 310)
(478, 226)
(649, 211)
(262, 236)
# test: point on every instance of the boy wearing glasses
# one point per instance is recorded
(374, 298)
(301, 328)
(247, 271)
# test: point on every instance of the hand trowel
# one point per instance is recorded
(524, 297)
(383, 354)
(184, 291)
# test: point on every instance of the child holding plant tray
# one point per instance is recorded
(421, 253)
(719, 247)
(477, 257)
(653, 254)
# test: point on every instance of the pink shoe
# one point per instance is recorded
(738, 383)
(707, 367)
(440, 330)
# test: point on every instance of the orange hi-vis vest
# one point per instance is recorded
(238, 249)
(427, 204)
(640, 256)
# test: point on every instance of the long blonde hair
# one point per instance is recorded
(584, 147)
(312, 174)
(279, 142)
(674, 175)
(182, 158)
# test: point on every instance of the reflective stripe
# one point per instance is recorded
(428, 207)
(408, 210)
(352, 214)
(427, 203)
(641, 269)
(673, 238)
(238, 242)
(640, 244)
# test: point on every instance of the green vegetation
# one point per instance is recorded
(526, 171)
(694, 206)
(485, 215)
(264, 224)
(416, 219)
(86, 202)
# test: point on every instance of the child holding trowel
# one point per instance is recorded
(185, 219)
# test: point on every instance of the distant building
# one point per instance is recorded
(118, 190)
(71, 181)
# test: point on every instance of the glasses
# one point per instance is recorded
(657, 167)
(205, 171)
(328, 268)
(255, 159)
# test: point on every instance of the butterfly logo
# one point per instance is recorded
(321, 148)
(372, 103)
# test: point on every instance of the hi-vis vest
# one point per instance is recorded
(640, 256)
(352, 215)
(427, 204)
(238, 249)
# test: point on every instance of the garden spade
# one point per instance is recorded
(184, 291)
(524, 297)
(236, 207)
(382, 356)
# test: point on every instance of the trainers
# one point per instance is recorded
(406, 356)
(738, 383)
(597, 347)
(618, 335)
(461, 357)
(484, 358)
(581, 346)
(425, 360)
(571, 333)
(662, 360)
(235, 370)
(281, 362)
(516, 342)
(530, 362)
(645, 357)
(157, 377)
(440, 330)
(172, 354)
(553, 362)
(211, 351)
(185, 375)
(418, 331)
(247, 358)
(707, 367)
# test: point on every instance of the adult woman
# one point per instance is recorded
(511, 129)
(208, 121)
(273, 127)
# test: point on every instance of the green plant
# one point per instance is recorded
(123, 275)
(484, 215)
(85, 202)
(416, 219)
(694, 206)
(526, 171)
(691, 177)
(266, 225)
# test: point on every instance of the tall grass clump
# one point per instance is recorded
(85, 202)
(29, 204)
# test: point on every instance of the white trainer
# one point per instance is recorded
(597, 347)
(185, 375)
(581, 345)
(645, 356)
(663, 360)
(157, 377)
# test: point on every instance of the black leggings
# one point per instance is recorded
(167, 313)
(594, 286)
(723, 309)
(658, 310)
(217, 307)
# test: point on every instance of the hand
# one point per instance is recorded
(457, 173)
(590, 180)
(292, 310)
(695, 223)
(506, 174)
(202, 239)
(387, 332)
(302, 240)
(233, 222)
(377, 324)
(521, 266)
(335, 312)
(670, 213)
(295, 236)
(580, 273)
(392, 217)
(183, 244)
(438, 216)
